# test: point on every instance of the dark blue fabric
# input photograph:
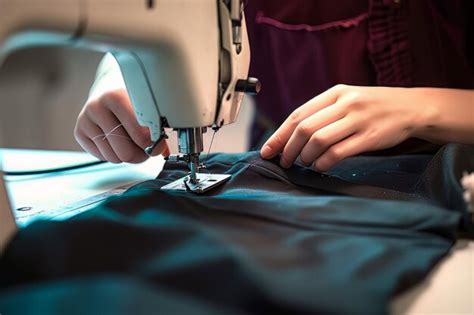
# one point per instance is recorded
(268, 241)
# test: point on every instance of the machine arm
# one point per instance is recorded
(184, 62)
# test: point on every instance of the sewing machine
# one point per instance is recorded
(184, 62)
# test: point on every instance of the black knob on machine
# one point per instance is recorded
(249, 86)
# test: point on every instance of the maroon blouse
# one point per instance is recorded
(301, 48)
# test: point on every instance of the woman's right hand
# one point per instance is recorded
(108, 129)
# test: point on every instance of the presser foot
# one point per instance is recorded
(204, 182)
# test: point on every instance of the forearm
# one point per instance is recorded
(447, 115)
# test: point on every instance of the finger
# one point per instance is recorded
(278, 140)
(93, 132)
(89, 146)
(118, 138)
(325, 138)
(305, 130)
(119, 103)
(167, 152)
(349, 147)
(120, 141)
(161, 148)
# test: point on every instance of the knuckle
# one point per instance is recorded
(304, 130)
(113, 99)
(93, 109)
(92, 106)
(340, 87)
(294, 117)
(318, 141)
(277, 141)
(355, 100)
(334, 154)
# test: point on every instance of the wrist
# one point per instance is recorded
(427, 113)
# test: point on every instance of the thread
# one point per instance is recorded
(111, 133)
(209, 151)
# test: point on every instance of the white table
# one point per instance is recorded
(448, 290)
(59, 193)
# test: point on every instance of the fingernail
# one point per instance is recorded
(266, 152)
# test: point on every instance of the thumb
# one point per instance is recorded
(161, 148)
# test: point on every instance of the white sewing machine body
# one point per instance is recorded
(184, 62)
(177, 58)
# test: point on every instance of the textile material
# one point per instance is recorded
(301, 48)
(269, 240)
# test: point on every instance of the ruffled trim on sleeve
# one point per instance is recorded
(389, 45)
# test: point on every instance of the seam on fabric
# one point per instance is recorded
(389, 194)
(346, 23)
(281, 177)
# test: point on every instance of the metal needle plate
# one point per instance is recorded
(206, 182)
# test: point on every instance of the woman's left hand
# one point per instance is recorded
(345, 121)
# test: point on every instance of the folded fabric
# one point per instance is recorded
(270, 240)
